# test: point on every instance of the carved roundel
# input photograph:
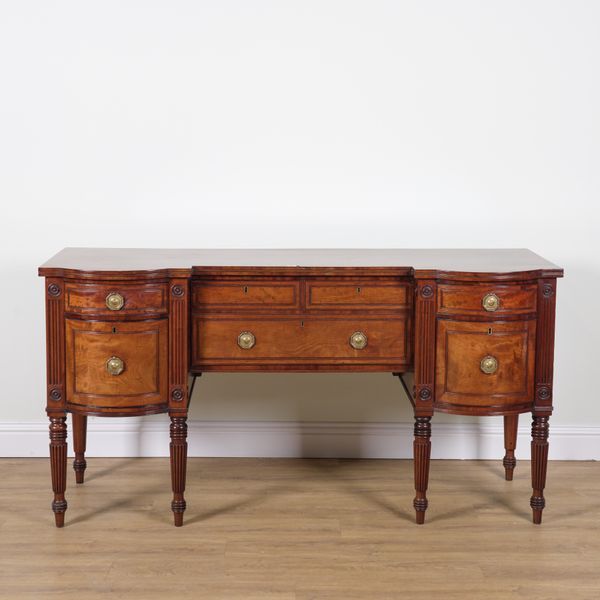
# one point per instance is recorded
(178, 291)
(177, 394)
(55, 395)
(547, 290)
(425, 394)
(54, 290)
(427, 291)
(543, 393)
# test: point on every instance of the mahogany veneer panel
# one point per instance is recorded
(141, 345)
(245, 294)
(90, 298)
(297, 340)
(468, 299)
(357, 294)
(111, 262)
(460, 348)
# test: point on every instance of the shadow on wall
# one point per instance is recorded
(299, 415)
(306, 397)
(319, 414)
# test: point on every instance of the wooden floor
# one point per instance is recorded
(299, 529)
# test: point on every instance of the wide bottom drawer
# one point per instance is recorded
(218, 340)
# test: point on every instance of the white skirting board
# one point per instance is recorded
(139, 437)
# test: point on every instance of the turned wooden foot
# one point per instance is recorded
(58, 466)
(511, 424)
(422, 453)
(539, 464)
(178, 451)
(79, 439)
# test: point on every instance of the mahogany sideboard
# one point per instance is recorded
(468, 332)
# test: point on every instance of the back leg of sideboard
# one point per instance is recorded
(511, 424)
(79, 441)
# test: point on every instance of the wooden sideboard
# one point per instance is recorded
(468, 332)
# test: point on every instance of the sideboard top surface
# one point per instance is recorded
(401, 261)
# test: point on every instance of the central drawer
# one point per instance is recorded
(232, 340)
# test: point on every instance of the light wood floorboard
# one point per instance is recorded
(283, 529)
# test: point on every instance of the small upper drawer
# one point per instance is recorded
(244, 294)
(487, 299)
(108, 298)
(357, 294)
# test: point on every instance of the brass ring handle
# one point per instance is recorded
(246, 340)
(114, 365)
(489, 365)
(114, 301)
(491, 302)
(358, 340)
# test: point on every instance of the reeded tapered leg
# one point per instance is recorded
(58, 466)
(539, 464)
(178, 448)
(79, 438)
(511, 424)
(422, 453)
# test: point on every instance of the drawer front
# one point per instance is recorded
(114, 299)
(487, 299)
(211, 295)
(357, 294)
(217, 341)
(485, 364)
(112, 364)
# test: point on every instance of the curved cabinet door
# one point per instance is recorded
(485, 367)
(113, 366)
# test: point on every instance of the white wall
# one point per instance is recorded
(300, 124)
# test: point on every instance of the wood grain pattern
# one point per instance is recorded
(542, 408)
(179, 352)
(144, 299)
(142, 345)
(424, 382)
(292, 529)
(460, 382)
(511, 263)
(55, 347)
(422, 454)
(242, 294)
(295, 341)
(265, 529)
(79, 444)
(468, 299)
(544, 369)
(539, 464)
(419, 309)
(58, 467)
(178, 453)
(424, 344)
(511, 425)
(357, 294)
